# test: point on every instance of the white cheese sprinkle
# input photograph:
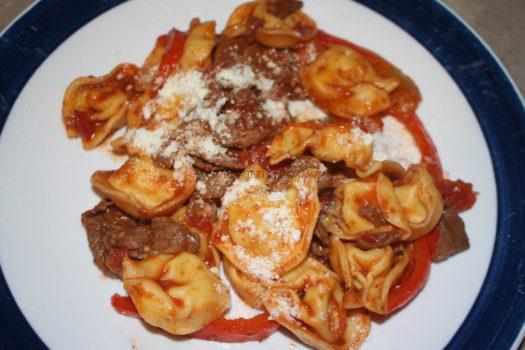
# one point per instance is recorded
(305, 111)
(190, 86)
(284, 307)
(149, 142)
(241, 76)
(395, 143)
(275, 110)
(238, 189)
(365, 137)
(262, 267)
(238, 76)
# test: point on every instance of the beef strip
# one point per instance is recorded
(375, 240)
(284, 8)
(279, 179)
(452, 236)
(112, 234)
(372, 214)
(321, 244)
(197, 129)
(322, 234)
(246, 125)
(205, 166)
(200, 211)
(213, 185)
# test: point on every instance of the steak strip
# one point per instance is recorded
(112, 235)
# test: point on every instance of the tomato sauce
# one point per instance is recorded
(459, 194)
(84, 125)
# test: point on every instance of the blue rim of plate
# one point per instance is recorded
(498, 314)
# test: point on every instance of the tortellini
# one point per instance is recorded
(343, 82)
(196, 54)
(250, 291)
(376, 212)
(329, 143)
(198, 46)
(420, 200)
(368, 274)
(365, 209)
(176, 293)
(263, 233)
(308, 301)
(93, 108)
(145, 190)
(275, 32)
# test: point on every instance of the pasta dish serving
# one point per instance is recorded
(271, 162)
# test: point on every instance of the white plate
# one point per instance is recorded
(44, 185)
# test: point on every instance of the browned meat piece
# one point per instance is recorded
(112, 234)
(377, 240)
(284, 8)
(372, 214)
(319, 251)
(322, 234)
(452, 236)
(280, 178)
(249, 127)
(195, 130)
(213, 185)
(281, 66)
(320, 247)
(204, 165)
(200, 209)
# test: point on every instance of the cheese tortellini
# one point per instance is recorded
(249, 290)
(343, 82)
(365, 209)
(176, 293)
(145, 190)
(275, 32)
(93, 108)
(376, 212)
(198, 46)
(420, 201)
(263, 233)
(308, 300)
(330, 143)
(368, 274)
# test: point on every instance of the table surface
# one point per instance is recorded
(501, 23)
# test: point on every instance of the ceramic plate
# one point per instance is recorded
(54, 296)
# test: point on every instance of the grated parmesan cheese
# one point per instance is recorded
(149, 142)
(275, 110)
(277, 196)
(362, 136)
(242, 76)
(237, 77)
(284, 307)
(280, 222)
(262, 267)
(148, 109)
(188, 87)
(395, 143)
(238, 189)
(305, 111)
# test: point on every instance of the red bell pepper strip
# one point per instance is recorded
(416, 274)
(124, 306)
(172, 54)
(238, 330)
